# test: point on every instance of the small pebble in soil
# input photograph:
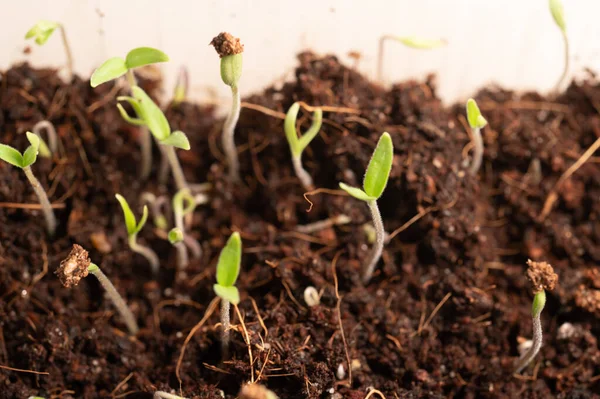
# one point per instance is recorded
(340, 372)
(566, 331)
(311, 296)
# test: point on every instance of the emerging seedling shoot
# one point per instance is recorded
(228, 269)
(181, 86)
(297, 145)
(24, 161)
(46, 151)
(408, 41)
(476, 122)
(133, 228)
(78, 265)
(42, 31)
(183, 204)
(230, 51)
(558, 14)
(374, 183)
(542, 278)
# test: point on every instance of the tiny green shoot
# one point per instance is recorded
(230, 51)
(558, 14)
(24, 161)
(133, 228)
(374, 183)
(46, 151)
(183, 204)
(476, 122)
(115, 67)
(156, 209)
(228, 269)
(42, 31)
(408, 41)
(181, 87)
(297, 145)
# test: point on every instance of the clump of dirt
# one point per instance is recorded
(541, 275)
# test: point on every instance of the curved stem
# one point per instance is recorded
(43, 198)
(380, 237)
(226, 324)
(63, 36)
(193, 245)
(146, 252)
(563, 76)
(535, 347)
(116, 298)
(228, 136)
(50, 131)
(302, 174)
(477, 151)
(178, 175)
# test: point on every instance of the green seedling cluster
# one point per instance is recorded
(299, 144)
(558, 14)
(42, 31)
(374, 183)
(476, 122)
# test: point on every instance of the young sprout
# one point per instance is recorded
(323, 224)
(476, 122)
(408, 41)
(374, 183)
(78, 265)
(228, 269)
(42, 31)
(183, 204)
(182, 86)
(150, 115)
(45, 150)
(297, 145)
(542, 278)
(133, 228)
(230, 51)
(24, 161)
(156, 208)
(558, 14)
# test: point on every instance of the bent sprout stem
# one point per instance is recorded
(538, 305)
(175, 166)
(43, 198)
(228, 140)
(146, 252)
(379, 241)
(63, 35)
(50, 131)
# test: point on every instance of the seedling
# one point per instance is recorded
(228, 269)
(230, 51)
(42, 31)
(408, 41)
(181, 87)
(78, 265)
(376, 178)
(558, 14)
(151, 116)
(156, 208)
(542, 278)
(45, 150)
(133, 228)
(24, 161)
(476, 122)
(297, 145)
(183, 204)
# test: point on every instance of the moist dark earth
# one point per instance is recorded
(442, 317)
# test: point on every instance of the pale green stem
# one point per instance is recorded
(378, 247)
(163, 169)
(63, 36)
(116, 298)
(146, 252)
(477, 151)
(50, 132)
(225, 324)
(536, 341)
(560, 82)
(228, 141)
(43, 198)
(176, 170)
(301, 173)
(382, 40)
(145, 137)
(166, 395)
(322, 224)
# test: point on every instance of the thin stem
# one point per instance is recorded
(193, 245)
(43, 198)
(380, 238)
(116, 298)
(166, 395)
(228, 136)
(50, 131)
(226, 324)
(560, 82)
(322, 224)
(302, 174)
(537, 337)
(176, 170)
(182, 256)
(382, 40)
(131, 80)
(63, 35)
(477, 151)
(146, 252)
(163, 169)
(146, 147)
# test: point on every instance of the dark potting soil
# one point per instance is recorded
(443, 315)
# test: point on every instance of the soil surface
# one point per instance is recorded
(444, 314)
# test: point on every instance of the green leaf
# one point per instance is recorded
(175, 235)
(230, 294)
(11, 155)
(144, 56)
(289, 127)
(112, 68)
(539, 301)
(177, 139)
(420, 43)
(228, 266)
(151, 114)
(379, 167)
(130, 221)
(476, 120)
(231, 69)
(312, 132)
(44, 150)
(129, 119)
(42, 31)
(143, 220)
(558, 13)
(356, 192)
(30, 154)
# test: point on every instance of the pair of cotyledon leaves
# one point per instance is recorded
(27, 158)
(133, 227)
(42, 31)
(297, 145)
(228, 269)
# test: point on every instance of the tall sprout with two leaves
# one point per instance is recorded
(558, 14)
(476, 122)
(133, 228)
(298, 144)
(184, 204)
(42, 31)
(374, 183)
(114, 68)
(24, 161)
(408, 41)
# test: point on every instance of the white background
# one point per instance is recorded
(511, 42)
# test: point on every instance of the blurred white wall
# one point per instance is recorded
(511, 42)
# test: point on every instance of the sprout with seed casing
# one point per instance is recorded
(78, 265)
(133, 228)
(230, 51)
(558, 14)
(409, 41)
(183, 204)
(24, 161)
(476, 122)
(46, 151)
(42, 31)
(376, 178)
(297, 145)
(228, 269)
